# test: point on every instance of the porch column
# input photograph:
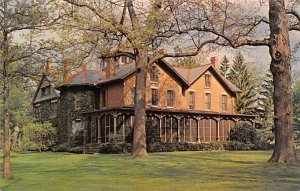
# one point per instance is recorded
(178, 129)
(99, 129)
(218, 128)
(123, 127)
(115, 115)
(171, 125)
(160, 127)
(198, 129)
(84, 135)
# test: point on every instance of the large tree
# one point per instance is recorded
(225, 19)
(20, 40)
(136, 29)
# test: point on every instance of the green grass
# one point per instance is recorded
(219, 170)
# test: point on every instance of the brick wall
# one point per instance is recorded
(167, 82)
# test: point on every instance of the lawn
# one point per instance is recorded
(217, 170)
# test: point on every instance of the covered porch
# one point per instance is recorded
(104, 126)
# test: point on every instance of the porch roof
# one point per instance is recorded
(169, 111)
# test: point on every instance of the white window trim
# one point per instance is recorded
(224, 94)
(207, 92)
(174, 98)
(188, 99)
(156, 88)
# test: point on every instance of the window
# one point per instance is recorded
(77, 100)
(153, 74)
(207, 81)
(37, 110)
(191, 100)
(103, 98)
(154, 98)
(170, 98)
(53, 108)
(45, 91)
(208, 101)
(224, 102)
(132, 95)
(124, 59)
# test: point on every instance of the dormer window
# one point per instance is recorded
(154, 74)
(207, 81)
(45, 91)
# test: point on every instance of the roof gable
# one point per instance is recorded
(192, 75)
(45, 82)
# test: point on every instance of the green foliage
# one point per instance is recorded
(239, 146)
(296, 110)
(19, 111)
(224, 66)
(38, 136)
(244, 133)
(116, 148)
(171, 147)
(241, 75)
(187, 62)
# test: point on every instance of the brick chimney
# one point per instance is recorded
(67, 69)
(50, 69)
(110, 70)
(162, 51)
(214, 62)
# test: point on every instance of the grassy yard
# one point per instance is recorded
(219, 170)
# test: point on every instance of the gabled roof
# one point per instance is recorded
(121, 73)
(45, 81)
(84, 77)
(191, 75)
(185, 76)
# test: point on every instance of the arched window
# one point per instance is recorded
(154, 74)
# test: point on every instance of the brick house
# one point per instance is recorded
(188, 105)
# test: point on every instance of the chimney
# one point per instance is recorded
(67, 69)
(162, 51)
(50, 69)
(85, 78)
(110, 70)
(214, 62)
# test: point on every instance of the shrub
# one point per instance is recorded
(78, 138)
(115, 148)
(61, 148)
(244, 133)
(238, 146)
(38, 136)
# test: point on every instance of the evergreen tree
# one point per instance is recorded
(266, 105)
(224, 66)
(242, 76)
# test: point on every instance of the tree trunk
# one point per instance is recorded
(6, 136)
(284, 151)
(139, 135)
